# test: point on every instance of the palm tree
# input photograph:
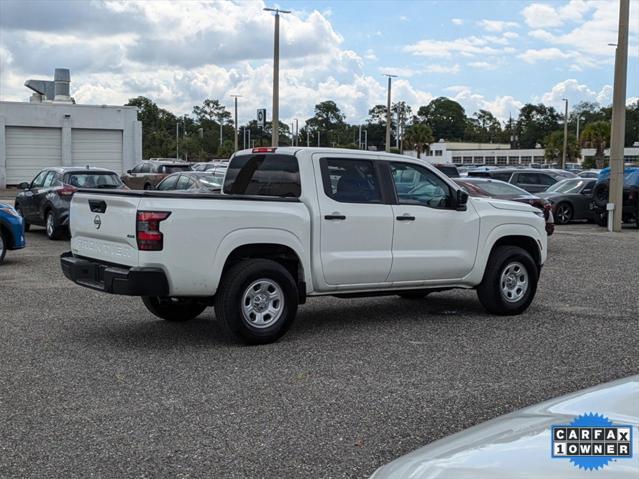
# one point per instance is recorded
(419, 136)
(597, 135)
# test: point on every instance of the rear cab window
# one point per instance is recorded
(350, 180)
(266, 174)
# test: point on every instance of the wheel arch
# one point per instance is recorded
(527, 243)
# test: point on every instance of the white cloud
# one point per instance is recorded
(500, 106)
(543, 54)
(575, 92)
(465, 46)
(496, 25)
(483, 65)
(542, 15)
(453, 69)
(457, 21)
(403, 18)
(632, 100)
(399, 71)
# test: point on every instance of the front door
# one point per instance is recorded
(431, 240)
(356, 227)
(28, 203)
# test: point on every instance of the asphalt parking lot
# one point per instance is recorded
(95, 386)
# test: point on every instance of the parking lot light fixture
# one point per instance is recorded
(563, 156)
(388, 111)
(235, 97)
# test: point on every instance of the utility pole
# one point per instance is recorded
(563, 156)
(177, 140)
(297, 132)
(276, 75)
(619, 117)
(359, 138)
(235, 97)
(578, 120)
(308, 138)
(398, 127)
(318, 138)
(220, 120)
(366, 139)
(388, 112)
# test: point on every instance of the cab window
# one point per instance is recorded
(38, 181)
(263, 175)
(416, 185)
(350, 181)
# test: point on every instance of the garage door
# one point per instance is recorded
(31, 149)
(102, 148)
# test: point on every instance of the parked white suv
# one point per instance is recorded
(299, 222)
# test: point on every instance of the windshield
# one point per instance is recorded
(500, 188)
(92, 180)
(567, 186)
(211, 181)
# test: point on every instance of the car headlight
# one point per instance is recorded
(9, 210)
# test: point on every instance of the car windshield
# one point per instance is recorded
(92, 180)
(499, 188)
(210, 181)
(168, 169)
(567, 186)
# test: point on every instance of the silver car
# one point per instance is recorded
(518, 445)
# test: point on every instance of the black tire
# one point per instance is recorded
(600, 194)
(27, 226)
(490, 290)
(54, 231)
(147, 186)
(563, 213)
(602, 219)
(173, 309)
(414, 295)
(3, 245)
(234, 290)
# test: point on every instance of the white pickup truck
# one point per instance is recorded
(297, 222)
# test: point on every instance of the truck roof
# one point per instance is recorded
(292, 150)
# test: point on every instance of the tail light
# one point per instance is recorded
(264, 149)
(147, 229)
(66, 190)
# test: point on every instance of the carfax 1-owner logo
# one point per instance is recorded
(591, 441)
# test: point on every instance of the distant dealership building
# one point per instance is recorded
(501, 154)
(52, 130)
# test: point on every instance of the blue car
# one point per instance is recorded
(11, 230)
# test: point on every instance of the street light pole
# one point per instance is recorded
(177, 140)
(578, 120)
(235, 97)
(619, 117)
(220, 120)
(563, 156)
(276, 75)
(388, 112)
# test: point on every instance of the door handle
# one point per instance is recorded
(405, 218)
(334, 217)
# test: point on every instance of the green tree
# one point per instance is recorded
(554, 145)
(419, 137)
(445, 117)
(328, 121)
(483, 127)
(535, 124)
(158, 128)
(596, 135)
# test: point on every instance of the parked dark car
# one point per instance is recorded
(11, 230)
(147, 174)
(46, 200)
(490, 188)
(196, 181)
(630, 212)
(570, 199)
(448, 169)
(533, 180)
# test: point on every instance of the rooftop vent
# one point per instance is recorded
(56, 90)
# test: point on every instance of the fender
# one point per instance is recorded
(247, 236)
(497, 233)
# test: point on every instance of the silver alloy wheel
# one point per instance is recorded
(514, 282)
(563, 213)
(49, 225)
(262, 303)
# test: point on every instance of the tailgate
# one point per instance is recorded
(103, 227)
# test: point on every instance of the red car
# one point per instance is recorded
(505, 191)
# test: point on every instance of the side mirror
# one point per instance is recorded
(24, 185)
(462, 199)
(128, 172)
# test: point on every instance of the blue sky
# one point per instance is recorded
(495, 55)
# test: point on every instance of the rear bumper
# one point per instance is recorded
(114, 279)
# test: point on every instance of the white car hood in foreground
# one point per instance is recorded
(510, 205)
(517, 445)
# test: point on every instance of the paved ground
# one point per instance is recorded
(94, 386)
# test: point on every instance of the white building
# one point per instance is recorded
(499, 154)
(52, 130)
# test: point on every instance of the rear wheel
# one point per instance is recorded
(510, 281)
(54, 231)
(27, 226)
(257, 300)
(147, 186)
(563, 213)
(600, 194)
(173, 309)
(3, 246)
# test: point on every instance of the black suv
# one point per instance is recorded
(46, 200)
(600, 194)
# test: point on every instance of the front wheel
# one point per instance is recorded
(510, 281)
(563, 213)
(257, 300)
(173, 309)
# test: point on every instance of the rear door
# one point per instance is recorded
(530, 182)
(356, 226)
(103, 227)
